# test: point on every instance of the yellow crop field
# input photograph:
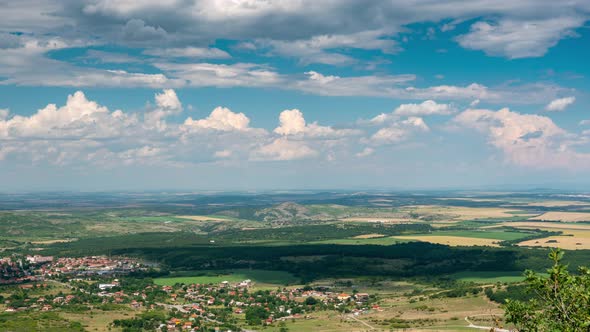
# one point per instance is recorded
(564, 242)
(575, 236)
(465, 213)
(368, 236)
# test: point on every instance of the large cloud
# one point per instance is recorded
(78, 118)
(27, 64)
(325, 32)
(398, 86)
(222, 119)
(526, 139)
(520, 38)
(84, 132)
(189, 22)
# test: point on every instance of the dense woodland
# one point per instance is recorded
(413, 259)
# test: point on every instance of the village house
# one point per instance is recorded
(106, 286)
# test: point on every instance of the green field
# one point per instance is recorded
(487, 234)
(233, 276)
(489, 276)
(383, 241)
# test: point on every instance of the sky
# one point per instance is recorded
(293, 94)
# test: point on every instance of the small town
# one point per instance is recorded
(55, 284)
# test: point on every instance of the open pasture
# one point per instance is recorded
(233, 276)
(441, 314)
(99, 320)
(487, 277)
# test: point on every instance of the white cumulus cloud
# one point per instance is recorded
(292, 122)
(428, 107)
(167, 104)
(78, 118)
(399, 131)
(221, 118)
(560, 104)
(526, 139)
(284, 149)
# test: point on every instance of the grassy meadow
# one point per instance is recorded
(261, 277)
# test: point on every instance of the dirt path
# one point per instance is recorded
(362, 322)
(488, 328)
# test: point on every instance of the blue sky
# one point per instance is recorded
(256, 95)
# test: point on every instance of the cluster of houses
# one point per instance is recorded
(94, 293)
(22, 269)
(194, 302)
(42, 303)
(17, 269)
(93, 281)
(91, 265)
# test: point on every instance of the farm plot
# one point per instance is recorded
(571, 239)
(466, 238)
(468, 213)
